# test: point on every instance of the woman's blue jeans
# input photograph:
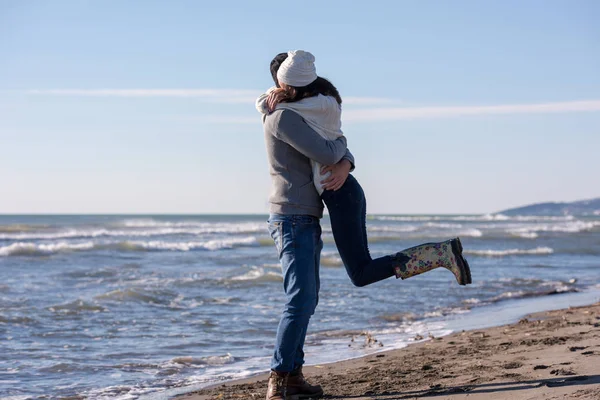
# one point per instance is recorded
(348, 212)
(298, 242)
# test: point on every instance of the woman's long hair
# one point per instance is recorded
(319, 86)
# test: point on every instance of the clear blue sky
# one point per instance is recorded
(147, 106)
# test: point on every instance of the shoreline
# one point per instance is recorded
(480, 363)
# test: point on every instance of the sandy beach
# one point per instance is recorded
(548, 355)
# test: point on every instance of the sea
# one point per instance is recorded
(147, 307)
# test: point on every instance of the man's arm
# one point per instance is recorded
(292, 129)
(348, 156)
(261, 103)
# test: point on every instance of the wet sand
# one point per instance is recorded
(548, 355)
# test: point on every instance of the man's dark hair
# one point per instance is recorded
(275, 64)
(319, 86)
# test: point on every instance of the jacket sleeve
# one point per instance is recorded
(261, 102)
(348, 156)
(293, 130)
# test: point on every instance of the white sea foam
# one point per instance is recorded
(148, 231)
(331, 261)
(471, 233)
(409, 218)
(40, 249)
(542, 218)
(32, 249)
(555, 288)
(510, 252)
(443, 225)
(485, 217)
(216, 244)
(473, 218)
(210, 360)
(148, 228)
(258, 274)
(427, 231)
(403, 218)
(205, 227)
(388, 228)
(525, 234)
(532, 231)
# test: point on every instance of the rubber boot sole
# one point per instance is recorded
(463, 265)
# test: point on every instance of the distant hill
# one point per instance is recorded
(582, 207)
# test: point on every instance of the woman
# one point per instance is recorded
(298, 88)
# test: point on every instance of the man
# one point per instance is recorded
(295, 208)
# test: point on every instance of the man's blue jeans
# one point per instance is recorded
(298, 242)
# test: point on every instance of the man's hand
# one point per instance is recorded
(275, 97)
(339, 174)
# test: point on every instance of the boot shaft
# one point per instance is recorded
(286, 386)
(426, 257)
(277, 387)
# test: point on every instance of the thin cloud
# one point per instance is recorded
(400, 113)
(214, 95)
(218, 95)
(365, 101)
(219, 119)
(232, 96)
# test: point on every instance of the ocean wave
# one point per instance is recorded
(484, 217)
(471, 233)
(523, 294)
(532, 231)
(61, 368)
(407, 218)
(422, 218)
(258, 275)
(76, 307)
(470, 218)
(210, 360)
(19, 320)
(17, 397)
(525, 234)
(20, 228)
(542, 218)
(427, 225)
(31, 249)
(161, 297)
(217, 244)
(160, 231)
(43, 249)
(426, 231)
(388, 228)
(205, 227)
(399, 317)
(510, 252)
(331, 261)
(443, 225)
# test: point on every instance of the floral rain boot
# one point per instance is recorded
(425, 257)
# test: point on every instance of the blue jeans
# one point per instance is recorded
(298, 242)
(348, 210)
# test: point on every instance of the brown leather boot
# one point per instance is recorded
(299, 388)
(277, 386)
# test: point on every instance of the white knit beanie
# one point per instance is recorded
(298, 69)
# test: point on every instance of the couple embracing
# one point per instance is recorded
(310, 164)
